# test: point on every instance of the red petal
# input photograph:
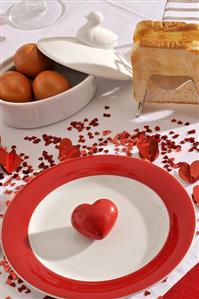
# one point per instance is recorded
(195, 194)
(194, 170)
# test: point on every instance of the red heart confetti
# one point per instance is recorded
(148, 148)
(195, 194)
(95, 221)
(189, 173)
(147, 293)
(67, 150)
(9, 161)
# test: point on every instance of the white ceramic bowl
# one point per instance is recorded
(53, 109)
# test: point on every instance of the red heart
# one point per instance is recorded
(189, 173)
(9, 161)
(148, 148)
(67, 150)
(95, 221)
(194, 170)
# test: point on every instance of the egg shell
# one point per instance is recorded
(49, 83)
(30, 61)
(15, 87)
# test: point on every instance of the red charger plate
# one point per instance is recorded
(16, 221)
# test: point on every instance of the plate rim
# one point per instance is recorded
(118, 287)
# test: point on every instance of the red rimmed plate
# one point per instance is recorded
(154, 230)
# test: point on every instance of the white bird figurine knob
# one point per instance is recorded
(94, 35)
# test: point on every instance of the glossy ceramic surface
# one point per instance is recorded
(18, 223)
(138, 235)
(53, 109)
(106, 63)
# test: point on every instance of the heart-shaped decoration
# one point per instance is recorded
(67, 150)
(148, 148)
(9, 161)
(189, 173)
(95, 221)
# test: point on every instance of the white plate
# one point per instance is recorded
(140, 231)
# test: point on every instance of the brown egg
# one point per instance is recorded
(48, 84)
(15, 87)
(30, 61)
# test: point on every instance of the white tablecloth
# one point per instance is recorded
(120, 17)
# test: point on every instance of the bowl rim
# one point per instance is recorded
(45, 100)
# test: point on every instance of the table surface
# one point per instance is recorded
(121, 17)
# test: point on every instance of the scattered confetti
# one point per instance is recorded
(157, 128)
(147, 293)
(191, 132)
(107, 115)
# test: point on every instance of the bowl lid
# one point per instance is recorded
(69, 52)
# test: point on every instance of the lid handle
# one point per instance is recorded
(94, 35)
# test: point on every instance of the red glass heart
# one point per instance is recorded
(189, 173)
(95, 221)
(148, 148)
(9, 161)
(194, 169)
(67, 150)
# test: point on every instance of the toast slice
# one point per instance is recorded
(166, 49)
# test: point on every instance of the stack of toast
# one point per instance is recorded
(165, 61)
